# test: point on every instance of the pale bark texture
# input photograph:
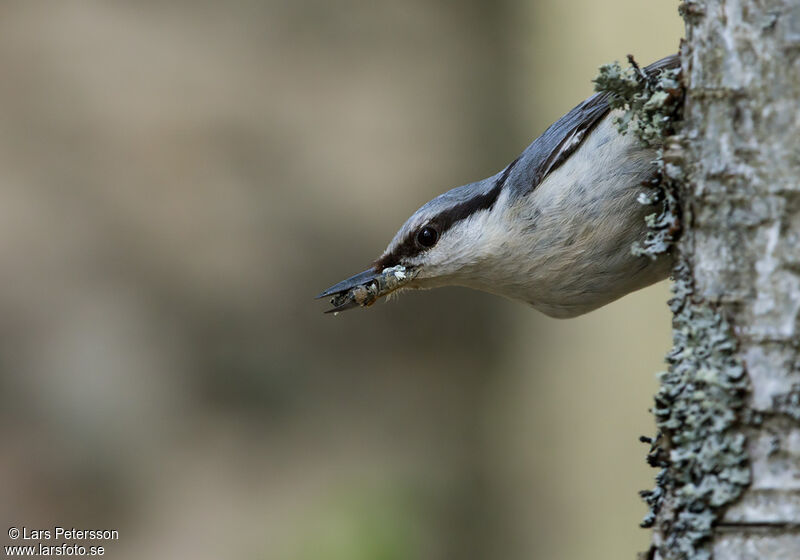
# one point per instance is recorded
(729, 408)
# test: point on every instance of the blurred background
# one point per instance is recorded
(179, 179)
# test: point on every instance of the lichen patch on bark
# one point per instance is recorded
(651, 106)
(698, 411)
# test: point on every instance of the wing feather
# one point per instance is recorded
(566, 135)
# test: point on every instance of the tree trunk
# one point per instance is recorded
(729, 406)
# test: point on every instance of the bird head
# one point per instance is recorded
(445, 242)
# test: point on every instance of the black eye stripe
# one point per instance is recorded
(445, 220)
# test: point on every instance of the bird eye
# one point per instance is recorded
(427, 236)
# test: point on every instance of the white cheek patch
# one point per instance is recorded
(465, 243)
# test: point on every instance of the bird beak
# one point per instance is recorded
(363, 289)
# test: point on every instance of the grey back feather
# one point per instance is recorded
(564, 136)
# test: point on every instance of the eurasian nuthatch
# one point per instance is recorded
(553, 229)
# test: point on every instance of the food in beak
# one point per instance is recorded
(362, 290)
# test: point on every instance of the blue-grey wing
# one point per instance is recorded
(564, 136)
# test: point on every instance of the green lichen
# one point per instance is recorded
(789, 403)
(664, 225)
(651, 105)
(691, 10)
(700, 404)
(649, 100)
